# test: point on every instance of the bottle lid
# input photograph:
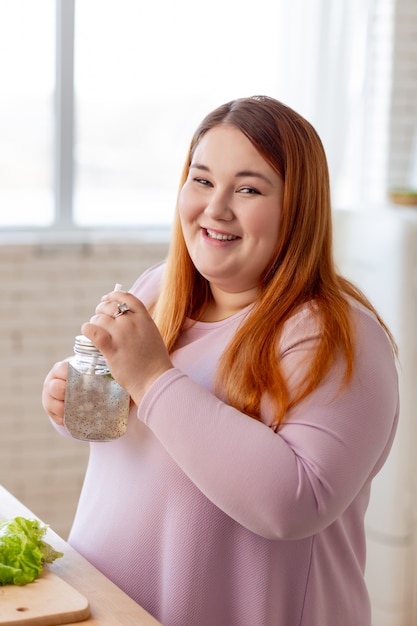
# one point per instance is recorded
(85, 346)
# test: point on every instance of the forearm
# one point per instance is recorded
(244, 467)
(291, 483)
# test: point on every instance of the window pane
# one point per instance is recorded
(27, 58)
(145, 74)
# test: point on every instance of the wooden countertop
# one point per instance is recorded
(109, 605)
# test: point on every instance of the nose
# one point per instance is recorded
(219, 208)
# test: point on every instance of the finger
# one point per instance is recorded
(95, 331)
(52, 406)
(112, 308)
(123, 297)
(55, 410)
(57, 389)
(113, 296)
(53, 389)
(107, 307)
(59, 370)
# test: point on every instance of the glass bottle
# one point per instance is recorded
(96, 407)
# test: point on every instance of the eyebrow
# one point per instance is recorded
(242, 174)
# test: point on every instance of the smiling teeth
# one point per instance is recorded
(220, 237)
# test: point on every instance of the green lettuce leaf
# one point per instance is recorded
(23, 551)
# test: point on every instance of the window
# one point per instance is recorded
(27, 67)
(99, 98)
(144, 77)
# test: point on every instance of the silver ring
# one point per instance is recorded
(122, 308)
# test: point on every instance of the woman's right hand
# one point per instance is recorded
(53, 393)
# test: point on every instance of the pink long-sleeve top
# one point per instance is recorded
(207, 517)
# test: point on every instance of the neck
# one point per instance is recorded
(225, 304)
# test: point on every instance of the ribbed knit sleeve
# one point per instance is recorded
(293, 483)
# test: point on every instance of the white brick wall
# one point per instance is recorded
(47, 291)
(403, 114)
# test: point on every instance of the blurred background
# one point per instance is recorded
(98, 102)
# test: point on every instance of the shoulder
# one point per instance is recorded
(306, 325)
(303, 326)
(369, 333)
(148, 285)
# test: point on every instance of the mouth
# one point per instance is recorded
(212, 234)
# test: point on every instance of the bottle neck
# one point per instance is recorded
(88, 358)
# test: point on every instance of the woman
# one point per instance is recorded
(264, 397)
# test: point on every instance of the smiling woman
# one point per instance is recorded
(264, 396)
(230, 214)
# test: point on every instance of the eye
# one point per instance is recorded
(202, 181)
(249, 190)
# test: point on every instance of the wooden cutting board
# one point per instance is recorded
(47, 601)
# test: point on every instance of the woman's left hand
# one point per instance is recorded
(131, 343)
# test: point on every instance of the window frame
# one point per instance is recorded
(64, 115)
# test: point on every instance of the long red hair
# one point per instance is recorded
(302, 271)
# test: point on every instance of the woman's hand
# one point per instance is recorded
(131, 343)
(53, 392)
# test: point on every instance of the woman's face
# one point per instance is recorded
(230, 208)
